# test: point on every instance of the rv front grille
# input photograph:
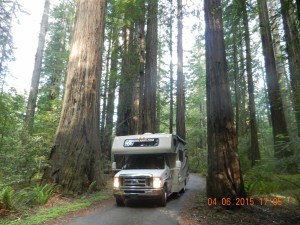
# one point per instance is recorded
(136, 182)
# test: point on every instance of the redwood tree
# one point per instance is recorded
(224, 175)
(293, 53)
(35, 80)
(254, 153)
(149, 117)
(74, 160)
(180, 103)
(280, 133)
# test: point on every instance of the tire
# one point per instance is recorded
(120, 202)
(164, 196)
(183, 189)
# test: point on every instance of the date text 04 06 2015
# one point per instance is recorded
(244, 201)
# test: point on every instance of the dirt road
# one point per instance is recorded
(143, 212)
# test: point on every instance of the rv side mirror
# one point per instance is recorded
(178, 164)
(114, 166)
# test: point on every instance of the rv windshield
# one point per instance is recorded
(145, 162)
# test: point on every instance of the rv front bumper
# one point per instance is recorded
(138, 193)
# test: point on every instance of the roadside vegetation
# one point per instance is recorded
(38, 204)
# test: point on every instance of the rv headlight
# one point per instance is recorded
(156, 182)
(116, 182)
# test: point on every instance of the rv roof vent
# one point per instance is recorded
(147, 133)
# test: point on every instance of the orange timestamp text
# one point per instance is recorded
(276, 201)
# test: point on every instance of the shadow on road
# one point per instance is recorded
(149, 203)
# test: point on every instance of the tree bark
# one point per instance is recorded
(280, 133)
(35, 80)
(149, 122)
(180, 97)
(224, 175)
(74, 161)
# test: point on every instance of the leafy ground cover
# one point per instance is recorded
(56, 206)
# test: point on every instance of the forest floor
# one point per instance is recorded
(197, 212)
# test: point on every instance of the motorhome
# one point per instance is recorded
(149, 166)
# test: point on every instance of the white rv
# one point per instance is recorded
(151, 166)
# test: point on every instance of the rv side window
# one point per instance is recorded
(181, 155)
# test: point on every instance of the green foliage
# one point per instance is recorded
(6, 196)
(261, 180)
(44, 214)
(39, 195)
(91, 187)
(29, 196)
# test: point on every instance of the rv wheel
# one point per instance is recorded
(120, 202)
(164, 196)
(182, 190)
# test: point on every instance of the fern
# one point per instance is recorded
(39, 195)
(6, 196)
(91, 187)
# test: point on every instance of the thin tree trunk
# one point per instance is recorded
(111, 95)
(237, 92)
(105, 99)
(280, 133)
(126, 84)
(141, 65)
(224, 175)
(75, 158)
(254, 152)
(151, 69)
(35, 80)
(171, 119)
(180, 103)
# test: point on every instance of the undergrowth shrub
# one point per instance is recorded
(29, 196)
(6, 196)
(262, 180)
(39, 195)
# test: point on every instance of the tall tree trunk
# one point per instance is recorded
(141, 65)
(237, 91)
(126, 84)
(74, 160)
(35, 80)
(112, 85)
(171, 119)
(292, 46)
(104, 95)
(280, 65)
(151, 69)
(224, 175)
(280, 133)
(298, 10)
(180, 97)
(254, 148)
